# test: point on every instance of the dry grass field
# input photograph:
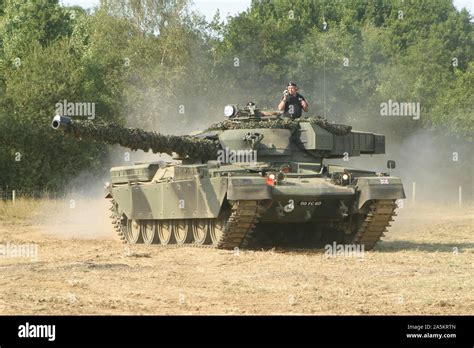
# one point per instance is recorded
(425, 265)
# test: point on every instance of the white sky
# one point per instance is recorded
(232, 7)
(206, 7)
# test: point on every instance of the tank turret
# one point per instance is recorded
(278, 138)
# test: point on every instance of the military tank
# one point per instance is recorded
(256, 179)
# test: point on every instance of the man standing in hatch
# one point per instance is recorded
(292, 103)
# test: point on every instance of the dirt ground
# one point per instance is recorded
(425, 265)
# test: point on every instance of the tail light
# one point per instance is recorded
(271, 179)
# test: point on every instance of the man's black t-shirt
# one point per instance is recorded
(293, 105)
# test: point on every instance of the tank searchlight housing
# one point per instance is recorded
(230, 111)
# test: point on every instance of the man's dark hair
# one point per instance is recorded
(291, 83)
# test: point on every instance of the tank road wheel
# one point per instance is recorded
(134, 235)
(201, 231)
(149, 234)
(217, 229)
(182, 232)
(165, 232)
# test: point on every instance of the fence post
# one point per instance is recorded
(13, 196)
(460, 195)
(413, 193)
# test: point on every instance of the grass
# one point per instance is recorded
(24, 210)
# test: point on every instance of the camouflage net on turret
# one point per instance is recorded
(281, 123)
(138, 139)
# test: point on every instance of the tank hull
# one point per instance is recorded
(229, 209)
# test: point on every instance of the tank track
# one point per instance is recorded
(116, 222)
(239, 227)
(376, 222)
(242, 220)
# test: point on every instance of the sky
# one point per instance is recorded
(206, 7)
(232, 7)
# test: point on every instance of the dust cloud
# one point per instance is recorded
(82, 214)
(437, 164)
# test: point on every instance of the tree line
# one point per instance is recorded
(159, 65)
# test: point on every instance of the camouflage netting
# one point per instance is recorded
(138, 139)
(285, 123)
(337, 129)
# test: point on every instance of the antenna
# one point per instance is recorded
(324, 65)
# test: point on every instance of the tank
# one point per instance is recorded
(256, 179)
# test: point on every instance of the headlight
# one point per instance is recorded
(229, 111)
(345, 179)
(342, 179)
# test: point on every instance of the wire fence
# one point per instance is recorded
(12, 195)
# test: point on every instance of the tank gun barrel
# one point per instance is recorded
(137, 139)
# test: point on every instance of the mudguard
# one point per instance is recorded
(187, 199)
(248, 188)
(379, 187)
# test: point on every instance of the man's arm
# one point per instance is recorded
(281, 105)
(304, 105)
